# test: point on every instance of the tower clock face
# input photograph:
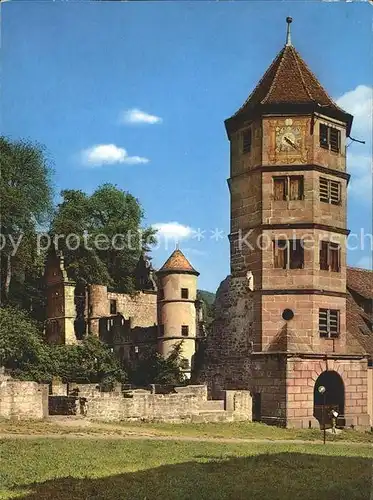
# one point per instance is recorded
(288, 138)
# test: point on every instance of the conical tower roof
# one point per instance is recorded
(288, 84)
(177, 263)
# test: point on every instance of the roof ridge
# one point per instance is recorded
(316, 79)
(276, 74)
(296, 56)
(270, 67)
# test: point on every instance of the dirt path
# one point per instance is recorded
(175, 438)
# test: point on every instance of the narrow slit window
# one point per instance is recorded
(246, 140)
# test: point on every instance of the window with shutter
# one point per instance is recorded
(288, 254)
(288, 188)
(330, 138)
(334, 257)
(279, 184)
(280, 254)
(296, 188)
(296, 254)
(330, 191)
(329, 323)
(324, 249)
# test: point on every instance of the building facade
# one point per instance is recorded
(280, 328)
(163, 312)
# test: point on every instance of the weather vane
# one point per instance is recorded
(289, 20)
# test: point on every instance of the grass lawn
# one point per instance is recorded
(243, 430)
(90, 469)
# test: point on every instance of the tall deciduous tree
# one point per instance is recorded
(26, 202)
(109, 235)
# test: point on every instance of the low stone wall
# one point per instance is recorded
(188, 404)
(23, 400)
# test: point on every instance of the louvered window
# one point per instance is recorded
(246, 140)
(330, 191)
(328, 323)
(330, 138)
(288, 188)
(330, 255)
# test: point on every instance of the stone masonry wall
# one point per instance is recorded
(182, 406)
(302, 375)
(23, 400)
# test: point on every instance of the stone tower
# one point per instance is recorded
(60, 313)
(281, 315)
(177, 321)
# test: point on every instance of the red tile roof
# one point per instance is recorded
(288, 80)
(359, 322)
(177, 262)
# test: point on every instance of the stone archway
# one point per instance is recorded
(334, 395)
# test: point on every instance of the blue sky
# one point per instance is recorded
(71, 71)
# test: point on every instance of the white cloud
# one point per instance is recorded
(173, 230)
(136, 116)
(359, 102)
(109, 154)
(360, 168)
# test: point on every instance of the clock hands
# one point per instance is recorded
(290, 142)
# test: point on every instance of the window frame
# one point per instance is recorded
(328, 247)
(287, 183)
(326, 331)
(184, 293)
(113, 302)
(330, 138)
(327, 190)
(289, 250)
(185, 328)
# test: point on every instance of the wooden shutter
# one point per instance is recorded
(280, 254)
(296, 188)
(333, 321)
(334, 257)
(323, 322)
(324, 189)
(324, 261)
(335, 139)
(296, 252)
(335, 192)
(279, 185)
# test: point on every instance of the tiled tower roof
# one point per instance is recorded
(289, 82)
(177, 262)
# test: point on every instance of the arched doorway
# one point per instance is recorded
(333, 398)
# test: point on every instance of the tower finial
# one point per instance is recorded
(289, 20)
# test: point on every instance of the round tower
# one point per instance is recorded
(177, 292)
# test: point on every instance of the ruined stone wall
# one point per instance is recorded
(23, 400)
(141, 308)
(187, 404)
(232, 337)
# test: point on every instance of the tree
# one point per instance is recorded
(26, 203)
(108, 225)
(89, 362)
(153, 368)
(22, 349)
(208, 299)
